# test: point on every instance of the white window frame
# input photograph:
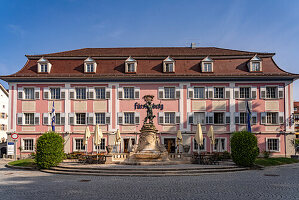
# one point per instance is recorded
(276, 118)
(218, 93)
(44, 67)
(272, 138)
(225, 144)
(29, 114)
(166, 65)
(100, 114)
(90, 67)
(76, 119)
(101, 93)
(275, 93)
(94, 149)
(25, 95)
(169, 93)
(197, 92)
(170, 120)
(23, 144)
(74, 144)
(128, 94)
(81, 89)
(195, 118)
(124, 118)
(223, 118)
(256, 66)
(55, 95)
(245, 93)
(204, 145)
(90, 64)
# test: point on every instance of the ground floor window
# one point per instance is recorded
(201, 148)
(28, 144)
(79, 145)
(102, 146)
(220, 145)
(272, 144)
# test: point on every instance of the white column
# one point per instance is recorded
(67, 106)
(232, 107)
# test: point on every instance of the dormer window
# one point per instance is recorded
(90, 65)
(43, 66)
(207, 64)
(255, 64)
(168, 65)
(130, 65)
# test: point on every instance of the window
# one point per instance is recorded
(128, 92)
(129, 118)
(220, 144)
(57, 119)
(199, 118)
(243, 118)
(218, 118)
(169, 67)
(202, 147)
(169, 117)
(81, 118)
(295, 109)
(29, 93)
(28, 145)
(272, 118)
(207, 67)
(272, 144)
(218, 92)
(80, 93)
(131, 67)
(199, 92)
(102, 146)
(43, 67)
(271, 92)
(169, 92)
(55, 93)
(100, 93)
(256, 66)
(2, 127)
(3, 115)
(79, 145)
(244, 92)
(89, 67)
(100, 118)
(29, 118)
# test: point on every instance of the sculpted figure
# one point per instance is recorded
(148, 105)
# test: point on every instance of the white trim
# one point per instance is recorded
(116, 99)
(181, 106)
(204, 144)
(23, 144)
(225, 144)
(189, 126)
(74, 144)
(232, 108)
(267, 138)
(100, 150)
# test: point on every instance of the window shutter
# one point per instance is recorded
(20, 118)
(227, 92)
(237, 118)
(46, 119)
(36, 93)
(108, 93)
(46, 93)
(281, 117)
(120, 118)
(137, 118)
(211, 118)
(254, 117)
(90, 118)
(91, 93)
(108, 118)
(177, 93)
(280, 92)
(190, 118)
(253, 92)
(237, 93)
(190, 93)
(177, 118)
(263, 117)
(263, 92)
(161, 117)
(210, 92)
(137, 93)
(227, 117)
(161, 92)
(72, 118)
(120, 93)
(62, 94)
(20, 93)
(36, 118)
(72, 93)
(62, 118)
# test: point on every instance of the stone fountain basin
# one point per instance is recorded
(147, 155)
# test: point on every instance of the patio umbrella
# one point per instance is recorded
(86, 137)
(130, 145)
(98, 135)
(179, 139)
(117, 138)
(211, 135)
(199, 136)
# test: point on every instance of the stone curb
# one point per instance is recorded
(21, 167)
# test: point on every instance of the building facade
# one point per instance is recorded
(3, 113)
(105, 86)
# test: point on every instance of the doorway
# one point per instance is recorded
(126, 144)
(169, 145)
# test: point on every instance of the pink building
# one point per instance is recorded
(105, 86)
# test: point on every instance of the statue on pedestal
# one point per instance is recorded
(148, 105)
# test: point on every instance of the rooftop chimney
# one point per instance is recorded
(193, 45)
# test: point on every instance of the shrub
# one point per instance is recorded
(266, 154)
(244, 149)
(49, 150)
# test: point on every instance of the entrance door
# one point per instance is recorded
(126, 144)
(169, 144)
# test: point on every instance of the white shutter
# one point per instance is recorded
(281, 117)
(237, 118)
(136, 93)
(120, 93)
(190, 117)
(177, 93)
(160, 92)
(46, 93)
(137, 117)
(108, 93)
(177, 118)
(20, 118)
(211, 118)
(280, 92)
(120, 118)
(236, 93)
(37, 93)
(210, 92)
(91, 93)
(21, 93)
(62, 118)
(72, 93)
(46, 118)
(62, 93)
(253, 92)
(227, 117)
(161, 117)
(262, 92)
(227, 92)
(254, 117)
(90, 118)
(72, 119)
(36, 118)
(107, 118)
(263, 117)
(190, 93)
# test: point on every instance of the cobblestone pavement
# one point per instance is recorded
(272, 183)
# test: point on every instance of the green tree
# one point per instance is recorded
(49, 150)
(244, 149)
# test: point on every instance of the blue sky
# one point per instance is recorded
(36, 27)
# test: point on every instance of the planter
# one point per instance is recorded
(109, 148)
(186, 148)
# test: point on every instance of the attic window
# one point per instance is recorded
(207, 64)
(255, 64)
(168, 65)
(90, 65)
(130, 65)
(43, 66)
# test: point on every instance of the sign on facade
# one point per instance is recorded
(10, 148)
